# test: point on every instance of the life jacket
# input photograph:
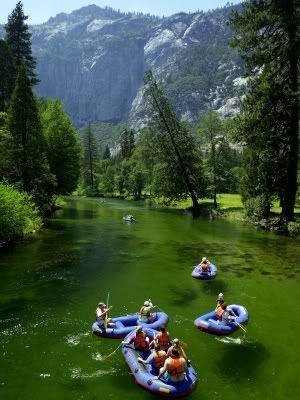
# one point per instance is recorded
(140, 342)
(163, 339)
(159, 358)
(176, 366)
(204, 267)
(144, 313)
(220, 313)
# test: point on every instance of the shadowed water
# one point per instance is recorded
(51, 283)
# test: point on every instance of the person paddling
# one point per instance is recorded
(204, 265)
(175, 368)
(225, 315)
(140, 340)
(162, 338)
(157, 359)
(176, 346)
(220, 300)
(102, 316)
(146, 312)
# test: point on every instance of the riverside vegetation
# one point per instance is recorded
(254, 154)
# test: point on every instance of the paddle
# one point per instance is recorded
(241, 326)
(106, 317)
(238, 324)
(112, 353)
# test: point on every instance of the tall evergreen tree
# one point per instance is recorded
(268, 38)
(179, 173)
(211, 128)
(90, 159)
(106, 154)
(63, 147)
(7, 68)
(127, 143)
(29, 164)
(18, 39)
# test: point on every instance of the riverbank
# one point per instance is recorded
(230, 207)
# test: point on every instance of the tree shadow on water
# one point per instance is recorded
(241, 361)
(182, 297)
(214, 287)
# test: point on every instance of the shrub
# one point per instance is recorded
(18, 214)
(257, 208)
(294, 229)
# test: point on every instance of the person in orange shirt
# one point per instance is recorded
(175, 368)
(140, 340)
(162, 338)
(157, 359)
(204, 265)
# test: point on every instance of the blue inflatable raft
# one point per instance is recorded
(127, 323)
(144, 375)
(209, 323)
(210, 274)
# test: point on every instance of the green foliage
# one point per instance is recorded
(29, 166)
(18, 214)
(63, 146)
(18, 39)
(127, 143)
(175, 150)
(90, 160)
(268, 38)
(294, 229)
(105, 134)
(7, 76)
(257, 208)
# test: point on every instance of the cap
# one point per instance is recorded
(220, 295)
(101, 304)
(176, 341)
(146, 303)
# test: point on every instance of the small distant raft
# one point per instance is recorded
(128, 218)
(144, 375)
(209, 323)
(210, 274)
(127, 323)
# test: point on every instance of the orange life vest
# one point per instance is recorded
(163, 339)
(176, 366)
(204, 267)
(220, 312)
(159, 358)
(140, 342)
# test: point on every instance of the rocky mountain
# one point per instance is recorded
(94, 59)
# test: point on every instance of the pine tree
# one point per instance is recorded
(90, 159)
(18, 39)
(179, 173)
(7, 68)
(127, 143)
(29, 164)
(268, 38)
(63, 147)
(106, 154)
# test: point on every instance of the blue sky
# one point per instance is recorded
(41, 10)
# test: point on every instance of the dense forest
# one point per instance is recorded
(254, 154)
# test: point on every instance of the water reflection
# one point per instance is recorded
(241, 361)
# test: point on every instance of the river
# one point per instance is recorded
(50, 285)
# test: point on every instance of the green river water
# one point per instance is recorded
(50, 285)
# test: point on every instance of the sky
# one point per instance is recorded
(40, 11)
